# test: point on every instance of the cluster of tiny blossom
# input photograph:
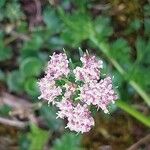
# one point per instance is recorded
(80, 119)
(58, 66)
(90, 69)
(100, 93)
(73, 99)
(49, 91)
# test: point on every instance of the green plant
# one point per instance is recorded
(38, 137)
(105, 48)
(68, 141)
(115, 31)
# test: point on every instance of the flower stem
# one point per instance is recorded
(133, 112)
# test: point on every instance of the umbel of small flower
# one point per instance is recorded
(73, 91)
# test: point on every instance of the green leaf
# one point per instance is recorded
(71, 64)
(81, 53)
(147, 10)
(81, 4)
(38, 138)
(33, 44)
(140, 47)
(147, 26)
(5, 52)
(2, 2)
(2, 76)
(56, 42)
(1, 14)
(141, 76)
(120, 51)
(134, 26)
(31, 87)
(49, 115)
(146, 58)
(31, 66)
(15, 81)
(69, 141)
(22, 27)
(143, 47)
(51, 20)
(102, 28)
(61, 82)
(13, 11)
(44, 57)
(24, 142)
(78, 27)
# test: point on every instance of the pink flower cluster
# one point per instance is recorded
(100, 93)
(57, 66)
(49, 91)
(73, 99)
(90, 69)
(79, 117)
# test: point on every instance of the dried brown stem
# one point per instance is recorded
(143, 141)
(38, 10)
(20, 107)
(14, 101)
(14, 123)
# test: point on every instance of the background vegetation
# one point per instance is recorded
(118, 31)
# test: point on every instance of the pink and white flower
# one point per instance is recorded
(49, 91)
(58, 66)
(90, 69)
(75, 99)
(80, 119)
(100, 93)
(65, 108)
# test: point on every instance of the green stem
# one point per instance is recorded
(133, 112)
(140, 91)
(105, 49)
(66, 80)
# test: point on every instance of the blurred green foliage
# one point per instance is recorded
(49, 115)
(35, 139)
(38, 138)
(5, 52)
(70, 25)
(68, 141)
